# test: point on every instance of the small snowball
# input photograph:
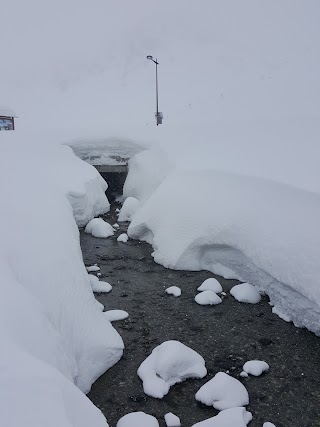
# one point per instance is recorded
(116, 225)
(211, 284)
(138, 419)
(123, 238)
(207, 298)
(174, 290)
(172, 420)
(246, 293)
(243, 374)
(255, 367)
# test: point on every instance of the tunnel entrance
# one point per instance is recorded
(115, 181)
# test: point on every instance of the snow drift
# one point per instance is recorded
(51, 330)
(259, 231)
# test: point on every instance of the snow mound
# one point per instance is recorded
(174, 290)
(123, 238)
(129, 208)
(246, 293)
(231, 235)
(267, 424)
(255, 367)
(92, 268)
(172, 420)
(138, 419)
(170, 363)
(99, 228)
(146, 172)
(223, 392)
(97, 285)
(207, 298)
(114, 315)
(234, 417)
(211, 284)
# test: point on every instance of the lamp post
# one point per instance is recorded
(158, 114)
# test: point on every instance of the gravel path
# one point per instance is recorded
(226, 336)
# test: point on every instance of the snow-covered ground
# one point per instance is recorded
(54, 338)
(255, 230)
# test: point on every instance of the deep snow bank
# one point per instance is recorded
(52, 333)
(256, 230)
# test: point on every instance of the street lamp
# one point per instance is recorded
(158, 114)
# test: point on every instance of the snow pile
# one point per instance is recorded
(99, 286)
(146, 172)
(138, 419)
(129, 208)
(123, 238)
(243, 230)
(172, 420)
(170, 363)
(268, 425)
(115, 315)
(234, 417)
(211, 284)
(223, 392)
(52, 332)
(174, 290)
(99, 228)
(246, 293)
(207, 298)
(255, 367)
(92, 268)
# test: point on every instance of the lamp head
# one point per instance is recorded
(150, 57)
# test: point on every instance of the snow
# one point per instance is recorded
(99, 305)
(207, 298)
(123, 238)
(138, 419)
(55, 341)
(172, 420)
(129, 208)
(97, 285)
(255, 367)
(246, 293)
(268, 425)
(99, 228)
(235, 233)
(115, 315)
(174, 290)
(92, 268)
(278, 312)
(234, 417)
(211, 284)
(116, 225)
(223, 392)
(169, 363)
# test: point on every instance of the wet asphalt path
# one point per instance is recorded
(226, 335)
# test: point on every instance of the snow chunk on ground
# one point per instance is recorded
(255, 367)
(92, 268)
(97, 285)
(99, 228)
(223, 392)
(114, 315)
(207, 298)
(211, 284)
(138, 419)
(174, 290)
(129, 208)
(170, 363)
(172, 420)
(267, 424)
(123, 238)
(116, 225)
(234, 417)
(246, 293)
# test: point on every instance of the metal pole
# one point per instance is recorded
(157, 96)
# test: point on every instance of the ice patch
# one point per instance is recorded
(223, 392)
(123, 238)
(170, 363)
(174, 290)
(234, 417)
(97, 285)
(115, 315)
(246, 293)
(138, 419)
(207, 298)
(211, 284)
(255, 367)
(172, 420)
(99, 228)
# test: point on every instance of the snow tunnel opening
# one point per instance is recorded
(115, 181)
